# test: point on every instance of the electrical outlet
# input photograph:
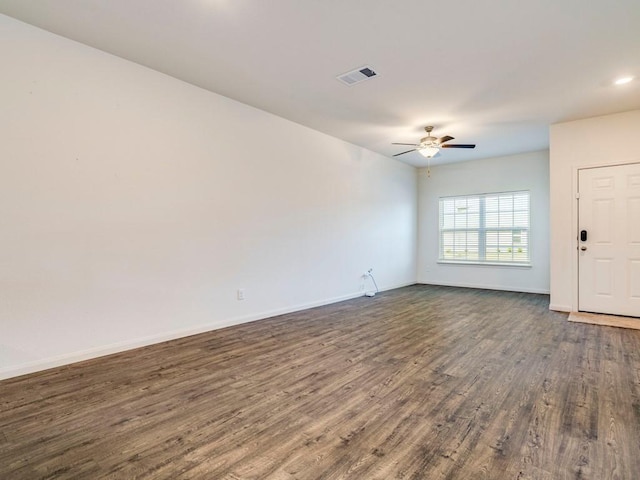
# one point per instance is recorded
(241, 294)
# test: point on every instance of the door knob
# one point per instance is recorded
(583, 248)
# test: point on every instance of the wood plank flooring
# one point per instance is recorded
(422, 382)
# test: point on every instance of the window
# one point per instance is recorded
(487, 228)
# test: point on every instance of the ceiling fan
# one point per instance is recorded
(430, 146)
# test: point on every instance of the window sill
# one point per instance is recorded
(484, 264)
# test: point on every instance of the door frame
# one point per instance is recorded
(575, 221)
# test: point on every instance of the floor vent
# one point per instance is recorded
(358, 75)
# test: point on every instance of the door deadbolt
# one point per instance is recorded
(583, 248)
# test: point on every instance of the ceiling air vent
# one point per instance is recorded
(358, 75)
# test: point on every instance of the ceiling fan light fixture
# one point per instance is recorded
(428, 152)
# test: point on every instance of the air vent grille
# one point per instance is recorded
(358, 75)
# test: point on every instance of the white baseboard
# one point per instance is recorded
(101, 351)
(560, 308)
(488, 287)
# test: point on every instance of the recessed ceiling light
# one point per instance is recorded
(622, 80)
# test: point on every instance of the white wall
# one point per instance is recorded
(133, 206)
(529, 171)
(605, 140)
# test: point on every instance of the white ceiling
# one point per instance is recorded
(496, 73)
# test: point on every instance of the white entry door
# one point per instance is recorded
(609, 240)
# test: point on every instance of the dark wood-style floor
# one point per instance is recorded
(417, 383)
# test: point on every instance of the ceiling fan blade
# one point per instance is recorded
(446, 138)
(411, 144)
(413, 150)
(459, 145)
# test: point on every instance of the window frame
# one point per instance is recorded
(482, 230)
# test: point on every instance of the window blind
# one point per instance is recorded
(486, 228)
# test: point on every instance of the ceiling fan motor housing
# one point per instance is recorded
(428, 140)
